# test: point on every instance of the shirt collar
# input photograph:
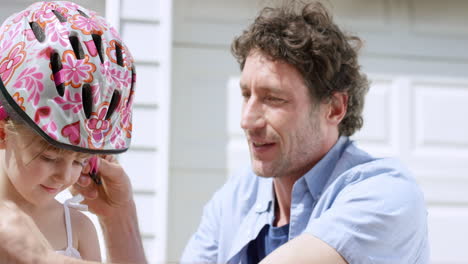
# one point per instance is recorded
(317, 177)
(265, 195)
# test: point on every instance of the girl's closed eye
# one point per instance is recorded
(80, 162)
(48, 158)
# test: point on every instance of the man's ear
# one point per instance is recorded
(2, 133)
(338, 106)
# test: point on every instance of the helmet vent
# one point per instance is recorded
(98, 43)
(83, 13)
(75, 42)
(118, 54)
(113, 104)
(87, 98)
(59, 16)
(38, 31)
(56, 66)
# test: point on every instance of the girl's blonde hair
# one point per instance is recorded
(30, 137)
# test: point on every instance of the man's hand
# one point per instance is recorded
(112, 202)
(115, 192)
(20, 239)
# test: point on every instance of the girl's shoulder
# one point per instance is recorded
(81, 223)
(79, 218)
(85, 238)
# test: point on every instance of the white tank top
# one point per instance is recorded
(73, 202)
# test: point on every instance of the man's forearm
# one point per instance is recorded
(122, 236)
(60, 259)
(304, 249)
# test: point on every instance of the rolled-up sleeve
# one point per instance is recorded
(203, 245)
(379, 220)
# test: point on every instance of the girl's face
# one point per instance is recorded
(36, 171)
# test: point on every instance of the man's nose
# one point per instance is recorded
(252, 114)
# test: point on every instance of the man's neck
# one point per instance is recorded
(283, 191)
(283, 187)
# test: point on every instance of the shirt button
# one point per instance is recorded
(258, 206)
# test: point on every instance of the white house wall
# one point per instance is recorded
(145, 26)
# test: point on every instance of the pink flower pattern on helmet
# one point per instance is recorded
(19, 100)
(29, 34)
(117, 140)
(43, 119)
(20, 16)
(45, 53)
(76, 71)
(13, 60)
(72, 132)
(116, 75)
(95, 93)
(114, 33)
(58, 35)
(70, 5)
(98, 126)
(9, 33)
(52, 71)
(31, 80)
(111, 51)
(69, 102)
(51, 129)
(44, 14)
(86, 25)
(126, 117)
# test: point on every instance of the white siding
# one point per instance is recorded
(145, 26)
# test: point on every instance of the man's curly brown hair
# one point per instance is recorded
(308, 39)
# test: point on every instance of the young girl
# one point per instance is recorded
(66, 90)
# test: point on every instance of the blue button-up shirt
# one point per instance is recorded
(369, 210)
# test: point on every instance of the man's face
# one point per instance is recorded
(282, 124)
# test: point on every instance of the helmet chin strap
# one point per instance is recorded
(94, 163)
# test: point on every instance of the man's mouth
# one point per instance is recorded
(262, 147)
(257, 144)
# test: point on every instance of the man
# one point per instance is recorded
(310, 196)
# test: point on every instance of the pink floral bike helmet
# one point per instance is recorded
(66, 73)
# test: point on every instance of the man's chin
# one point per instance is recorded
(262, 170)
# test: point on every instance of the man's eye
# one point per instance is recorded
(274, 99)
